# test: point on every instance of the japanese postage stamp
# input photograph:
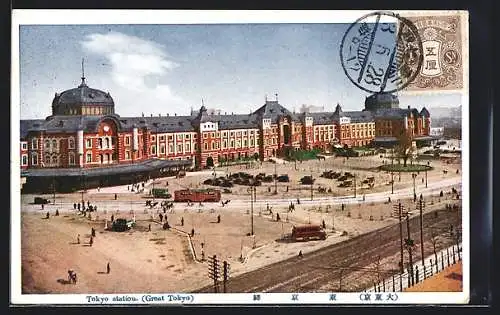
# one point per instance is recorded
(443, 51)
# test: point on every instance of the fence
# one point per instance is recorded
(398, 282)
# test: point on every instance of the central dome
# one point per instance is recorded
(381, 100)
(83, 101)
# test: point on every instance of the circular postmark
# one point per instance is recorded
(381, 52)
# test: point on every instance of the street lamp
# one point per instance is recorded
(426, 178)
(413, 175)
(253, 195)
(275, 178)
(354, 185)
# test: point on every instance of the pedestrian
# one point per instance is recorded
(441, 194)
(74, 206)
(300, 254)
(128, 187)
(323, 224)
(161, 217)
(92, 232)
(57, 212)
(112, 218)
(78, 239)
(192, 232)
(74, 277)
(278, 217)
(343, 206)
(167, 182)
(48, 215)
(79, 207)
(286, 188)
(389, 199)
(116, 196)
(91, 242)
(43, 206)
(182, 221)
(108, 269)
(218, 218)
(149, 227)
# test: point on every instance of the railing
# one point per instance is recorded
(398, 282)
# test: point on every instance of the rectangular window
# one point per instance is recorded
(24, 146)
(179, 148)
(204, 136)
(89, 157)
(71, 159)
(127, 155)
(89, 143)
(188, 136)
(153, 149)
(34, 143)
(232, 134)
(170, 138)
(187, 147)
(217, 134)
(205, 145)
(71, 143)
(153, 138)
(162, 149)
(212, 135)
(24, 159)
(170, 148)
(244, 133)
(162, 138)
(224, 134)
(245, 143)
(127, 140)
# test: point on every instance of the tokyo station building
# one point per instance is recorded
(85, 138)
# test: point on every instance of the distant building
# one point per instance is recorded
(436, 131)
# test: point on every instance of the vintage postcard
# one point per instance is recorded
(284, 157)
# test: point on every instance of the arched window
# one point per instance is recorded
(100, 142)
(54, 160)
(47, 159)
(47, 144)
(107, 142)
(108, 158)
(71, 159)
(54, 144)
(71, 143)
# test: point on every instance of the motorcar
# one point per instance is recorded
(41, 201)
(283, 178)
(122, 225)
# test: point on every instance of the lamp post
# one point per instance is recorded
(354, 185)
(425, 178)
(413, 175)
(312, 183)
(275, 178)
(253, 195)
(392, 182)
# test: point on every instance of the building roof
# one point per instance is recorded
(83, 95)
(325, 118)
(390, 113)
(144, 166)
(272, 110)
(424, 113)
(359, 116)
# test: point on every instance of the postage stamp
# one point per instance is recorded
(151, 165)
(443, 44)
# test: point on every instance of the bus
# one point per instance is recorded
(307, 232)
(160, 193)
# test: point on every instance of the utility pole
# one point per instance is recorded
(213, 270)
(413, 175)
(399, 208)
(409, 246)
(225, 269)
(312, 185)
(421, 206)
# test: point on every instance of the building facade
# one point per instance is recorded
(84, 132)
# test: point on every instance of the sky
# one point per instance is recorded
(160, 69)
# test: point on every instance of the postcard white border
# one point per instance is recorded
(58, 17)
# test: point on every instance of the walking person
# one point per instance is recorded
(116, 196)
(182, 221)
(108, 269)
(218, 218)
(78, 239)
(48, 215)
(112, 218)
(92, 232)
(74, 206)
(149, 227)
(91, 242)
(192, 232)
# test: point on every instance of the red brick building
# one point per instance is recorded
(84, 133)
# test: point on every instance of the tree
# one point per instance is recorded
(404, 148)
